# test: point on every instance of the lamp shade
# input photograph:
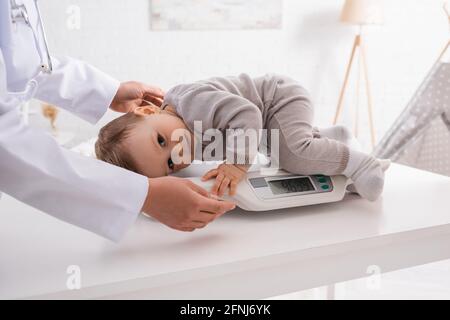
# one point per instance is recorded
(363, 12)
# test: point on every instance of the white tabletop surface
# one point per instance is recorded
(37, 249)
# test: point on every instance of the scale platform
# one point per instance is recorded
(264, 190)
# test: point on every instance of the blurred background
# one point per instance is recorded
(304, 39)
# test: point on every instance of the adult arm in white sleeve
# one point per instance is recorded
(82, 191)
(79, 190)
(77, 87)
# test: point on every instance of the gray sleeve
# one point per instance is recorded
(219, 109)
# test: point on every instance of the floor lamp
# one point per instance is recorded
(360, 13)
(447, 11)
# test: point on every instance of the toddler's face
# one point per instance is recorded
(150, 142)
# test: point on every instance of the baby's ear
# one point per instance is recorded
(146, 110)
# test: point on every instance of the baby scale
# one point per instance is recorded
(262, 191)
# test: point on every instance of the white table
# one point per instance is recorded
(242, 255)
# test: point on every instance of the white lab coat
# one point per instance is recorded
(33, 169)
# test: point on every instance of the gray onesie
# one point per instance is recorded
(268, 102)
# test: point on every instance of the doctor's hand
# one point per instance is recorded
(131, 95)
(181, 204)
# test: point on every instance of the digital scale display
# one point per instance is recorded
(294, 185)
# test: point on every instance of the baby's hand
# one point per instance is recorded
(227, 176)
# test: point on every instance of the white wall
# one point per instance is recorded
(312, 47)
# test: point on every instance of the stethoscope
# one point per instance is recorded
(19, 13)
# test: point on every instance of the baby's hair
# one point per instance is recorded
(110, 144)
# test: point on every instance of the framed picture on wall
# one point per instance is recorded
(215, 14)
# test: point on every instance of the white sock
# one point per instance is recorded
(384, 163)
(367, 174)
(342, 134)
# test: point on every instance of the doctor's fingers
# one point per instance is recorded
(184, 229)
(191, 226)
(206, 217)
(198, 224)
(149, 100)
(197, 189)
(152, 91)
(216, 207)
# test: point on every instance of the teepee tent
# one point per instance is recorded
(420, 137)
